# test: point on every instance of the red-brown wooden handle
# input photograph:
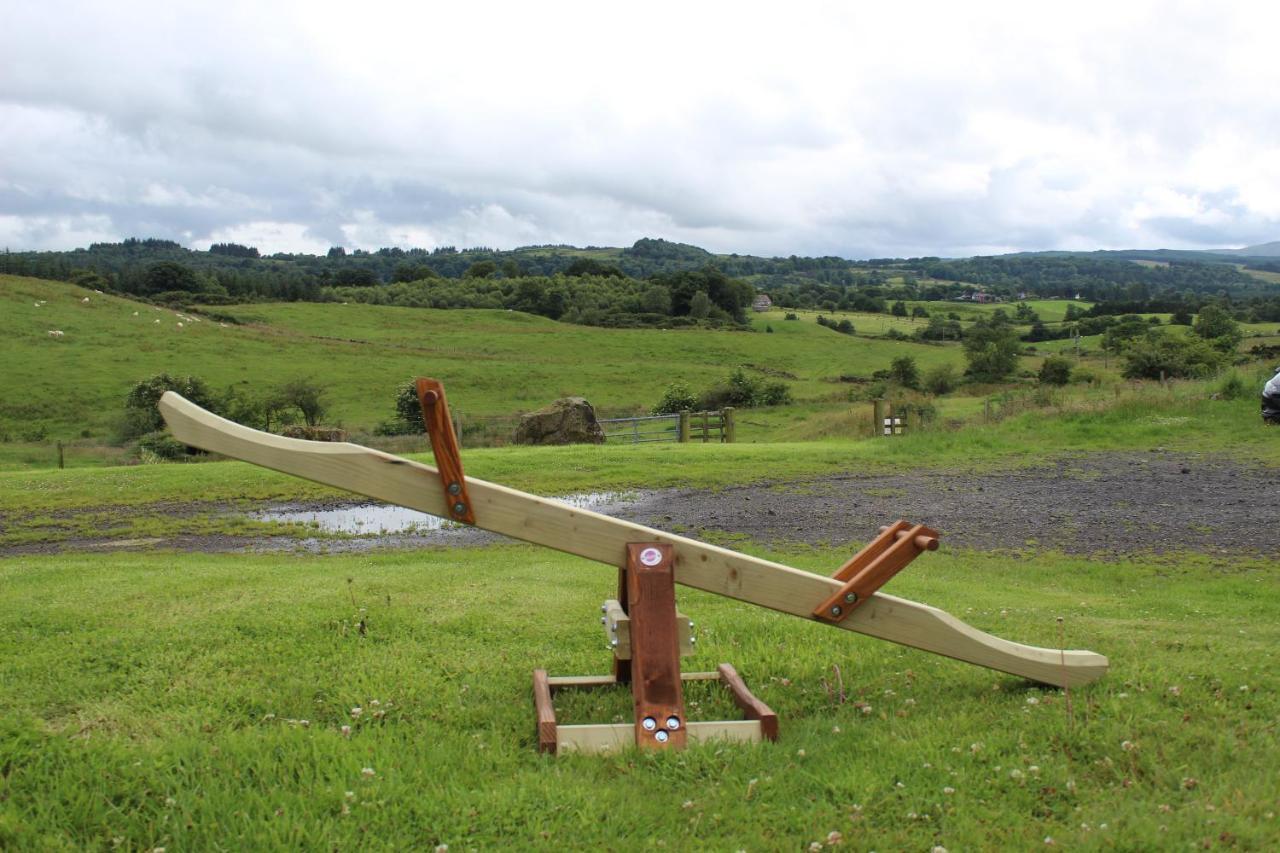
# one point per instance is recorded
(444, 445)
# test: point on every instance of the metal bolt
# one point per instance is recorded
(459, 508)
(693, 641)
(604, 620)
(604, 608)
(455, 488)
(850, 597)
(661, 737)
(649, 724)
(836, 610)
(613, 642)
(673, 722)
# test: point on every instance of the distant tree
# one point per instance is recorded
(142, 414)
(676, 398)
(699, 305)
(904, 371)
(510, 269)
(305, 395)
(337, 252)
(941, 379)
(656, 300)
(845, 327)
(899, 309)
(590, 266)
(1158, 353)
(1181, 317)
(1217, 327)
(409, 408)
(168, 276)
(1055, 370)
(918, 311)
(991, 349)
(481, 269)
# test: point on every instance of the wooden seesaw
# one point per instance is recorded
(644, 630)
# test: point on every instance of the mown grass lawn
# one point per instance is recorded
(197, 702)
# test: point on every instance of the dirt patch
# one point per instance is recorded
(1103, 505)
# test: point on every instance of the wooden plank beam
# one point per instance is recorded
(547, 522)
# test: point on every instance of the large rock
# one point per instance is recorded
(569, 420)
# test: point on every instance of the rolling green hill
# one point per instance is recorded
(494, 362)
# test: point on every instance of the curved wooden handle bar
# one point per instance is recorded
(547, 522)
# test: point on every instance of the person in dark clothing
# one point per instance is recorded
(1271, 400)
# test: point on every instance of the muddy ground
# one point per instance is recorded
(1103, 505)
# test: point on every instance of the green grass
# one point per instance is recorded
(493, 362)
(157, 701)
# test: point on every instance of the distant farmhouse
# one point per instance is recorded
(978, 296)
(762, 303)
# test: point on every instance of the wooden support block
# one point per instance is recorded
(617, 630)
(660, 721)
(546, 712)
(752, 707)
(615, 737)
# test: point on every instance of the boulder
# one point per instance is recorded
(569, 420)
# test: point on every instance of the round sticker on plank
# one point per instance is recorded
(650, 557)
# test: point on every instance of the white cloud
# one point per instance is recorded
(811, 128)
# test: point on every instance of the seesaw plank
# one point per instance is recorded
(548, 522)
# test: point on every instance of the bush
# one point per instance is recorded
(903, 370)
(141, 414)
(1233, 388)
(940, 380)
(1157, 353)
(791, 315)
(1055, 370)
(165, 446)
(743, 391)
(677, 398)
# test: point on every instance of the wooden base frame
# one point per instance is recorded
(649, 662)
(759, 723)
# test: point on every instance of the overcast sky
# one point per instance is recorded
(850, 129)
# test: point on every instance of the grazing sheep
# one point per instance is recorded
(86, 299)
(56, 333)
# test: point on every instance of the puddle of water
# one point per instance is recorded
(378, 519)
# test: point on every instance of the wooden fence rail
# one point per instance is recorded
(682, 427)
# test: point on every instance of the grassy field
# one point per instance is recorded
(194, 702)
(495, 362)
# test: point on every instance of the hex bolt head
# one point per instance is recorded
(455, 488)
(460, 508)
(613, 643)
(673, 722)
(649, 724)
(661, 737)
(850, 597)
(836, 610)
(604, 620)
(604, 608)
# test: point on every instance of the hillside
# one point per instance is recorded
(495, 362)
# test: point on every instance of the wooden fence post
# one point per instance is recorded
(877, 417)
(914, 421)
(706, 427)
(60, 459)
(727, 417)
(684, 426)
(986, 410)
